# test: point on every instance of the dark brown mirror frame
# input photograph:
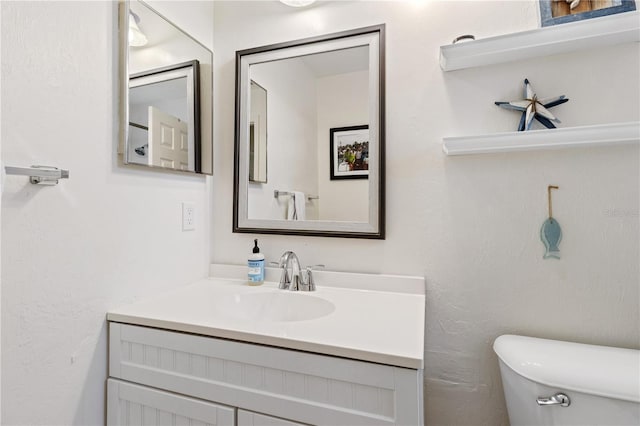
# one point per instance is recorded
(379, 233)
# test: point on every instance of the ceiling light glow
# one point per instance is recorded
(136, 36)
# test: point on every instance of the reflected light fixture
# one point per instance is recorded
(136, 37)
(297, 3)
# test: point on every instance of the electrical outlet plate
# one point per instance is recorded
(188, 216)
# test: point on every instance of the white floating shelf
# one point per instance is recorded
(604, 134)
(587, 34)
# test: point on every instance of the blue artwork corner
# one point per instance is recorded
(547, 19)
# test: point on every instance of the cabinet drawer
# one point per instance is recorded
(134, 405)
(303, 387)
(247, 418)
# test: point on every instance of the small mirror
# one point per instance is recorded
(315, 164)
(258, 134)
(167, 100)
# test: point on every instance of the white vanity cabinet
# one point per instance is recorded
(247, 418)
(158, 377)
(134, 405)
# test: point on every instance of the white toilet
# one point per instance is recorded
(548, 382)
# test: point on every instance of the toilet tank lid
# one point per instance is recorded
(597, 370)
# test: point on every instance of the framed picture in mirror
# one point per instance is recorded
(349, 152)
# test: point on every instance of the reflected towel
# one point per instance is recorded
(296, 207)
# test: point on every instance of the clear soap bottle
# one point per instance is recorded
(256, 266)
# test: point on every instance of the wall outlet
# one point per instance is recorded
(188, 216)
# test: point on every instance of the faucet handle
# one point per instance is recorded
(311, 284)
(313, 267)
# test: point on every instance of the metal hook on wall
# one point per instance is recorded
(551, 233)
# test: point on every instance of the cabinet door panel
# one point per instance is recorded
(247, 418)
(305, 387)
(134, 405)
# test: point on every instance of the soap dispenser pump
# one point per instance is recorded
(256, 266)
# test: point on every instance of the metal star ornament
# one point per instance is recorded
(532, 107)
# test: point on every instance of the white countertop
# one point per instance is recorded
(378, 325)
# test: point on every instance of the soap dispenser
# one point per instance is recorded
(256, 266)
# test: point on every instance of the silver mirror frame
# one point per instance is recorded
(374, 38)
(203, 164)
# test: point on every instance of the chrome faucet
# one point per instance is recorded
(299, 279)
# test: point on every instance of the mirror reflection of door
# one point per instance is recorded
(159, 122)
(168, 140)
(308, 96)
(258, 134)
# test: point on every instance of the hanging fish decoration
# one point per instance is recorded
(551, 233)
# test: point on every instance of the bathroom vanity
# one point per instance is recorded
(218, 352)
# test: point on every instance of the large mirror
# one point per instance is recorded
(167, 104)
(314, 165)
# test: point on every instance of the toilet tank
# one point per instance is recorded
(602, 383)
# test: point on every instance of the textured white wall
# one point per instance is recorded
(291, 127)
(343, 100)
(105, 237)
(470, 225)
(1, 186)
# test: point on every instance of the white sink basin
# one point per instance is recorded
(369, 317)
(280, 305)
